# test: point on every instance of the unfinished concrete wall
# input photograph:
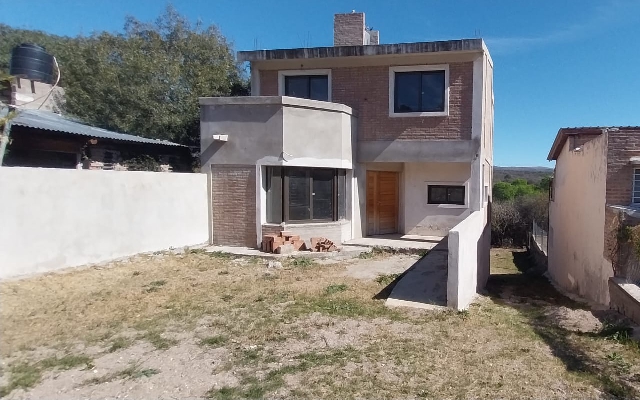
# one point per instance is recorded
(625, 298)
(276, 131)
(56, 218)
(422, 218)
(31, 94)
(468, 259)
(577, 221)
(269, 131)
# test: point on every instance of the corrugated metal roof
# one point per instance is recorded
(39, 119)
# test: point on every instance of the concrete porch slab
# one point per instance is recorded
(343, 253)
(424, 285)
(397, 241)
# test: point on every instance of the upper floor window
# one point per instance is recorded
(306, 84)
(421, 90)
(636, 186)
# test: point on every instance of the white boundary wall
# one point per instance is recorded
(469, 247)
(57, 218)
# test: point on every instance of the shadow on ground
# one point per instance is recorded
(533, 296)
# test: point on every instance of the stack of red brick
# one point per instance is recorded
(284, 242)
(322, 244)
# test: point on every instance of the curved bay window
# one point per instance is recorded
(297, 194)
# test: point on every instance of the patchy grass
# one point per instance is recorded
(214, 341)
(119, 343)
(308, 331)
(133, 371)
(68, 361)
(336, 288)
(22, 376)
(386, 279)
(157, 340)
(300, 262)
(25, 374)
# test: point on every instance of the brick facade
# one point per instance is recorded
(233, 202)
(621, 145)
(348, 29)
(366, 90)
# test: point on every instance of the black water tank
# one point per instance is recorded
(31, 61)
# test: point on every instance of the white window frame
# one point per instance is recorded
(633, 189)
(437, 183)
(417, 68)
(298, 72)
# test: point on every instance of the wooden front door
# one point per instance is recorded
(382, 202)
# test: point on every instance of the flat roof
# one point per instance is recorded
(38, 119)
(564, 133)
(275, 100)
(461, 45)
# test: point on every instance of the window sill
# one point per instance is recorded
(303, 224)
(419, 114)
(452, 206)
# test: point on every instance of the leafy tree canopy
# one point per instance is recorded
(519, 188)
(145, 81)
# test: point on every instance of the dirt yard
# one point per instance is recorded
(208, 325)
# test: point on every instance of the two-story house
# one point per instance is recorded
(354, 140)
(594, 197)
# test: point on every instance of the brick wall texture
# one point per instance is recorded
(233, 203)
(348, 29)
(621, 146)
(366, 90)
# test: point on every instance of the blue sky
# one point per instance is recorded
(557, 63)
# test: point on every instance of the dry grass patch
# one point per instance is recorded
(307, 330)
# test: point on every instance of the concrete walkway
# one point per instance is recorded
(424, 285)
(397, 241)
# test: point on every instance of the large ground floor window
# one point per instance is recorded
(296, 194)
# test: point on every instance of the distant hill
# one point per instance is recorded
(530, 174)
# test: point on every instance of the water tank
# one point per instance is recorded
(31, 61)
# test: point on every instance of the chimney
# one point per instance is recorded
(349, 30)
(374, 37)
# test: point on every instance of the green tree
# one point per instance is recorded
(145, 81)
(148, 80)
(503, 191)
(545, 183)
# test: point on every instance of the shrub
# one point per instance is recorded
(142, 162)
(511, 220)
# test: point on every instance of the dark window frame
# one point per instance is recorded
(634, 188)
(448, 188)
(421, 109)
(335, 198)
(309, 78)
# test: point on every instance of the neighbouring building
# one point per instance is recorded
(40, 137)
(49, 140)
(352, 140)
(594, 205)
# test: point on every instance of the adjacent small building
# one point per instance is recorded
(595, 195)
(49, 140)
